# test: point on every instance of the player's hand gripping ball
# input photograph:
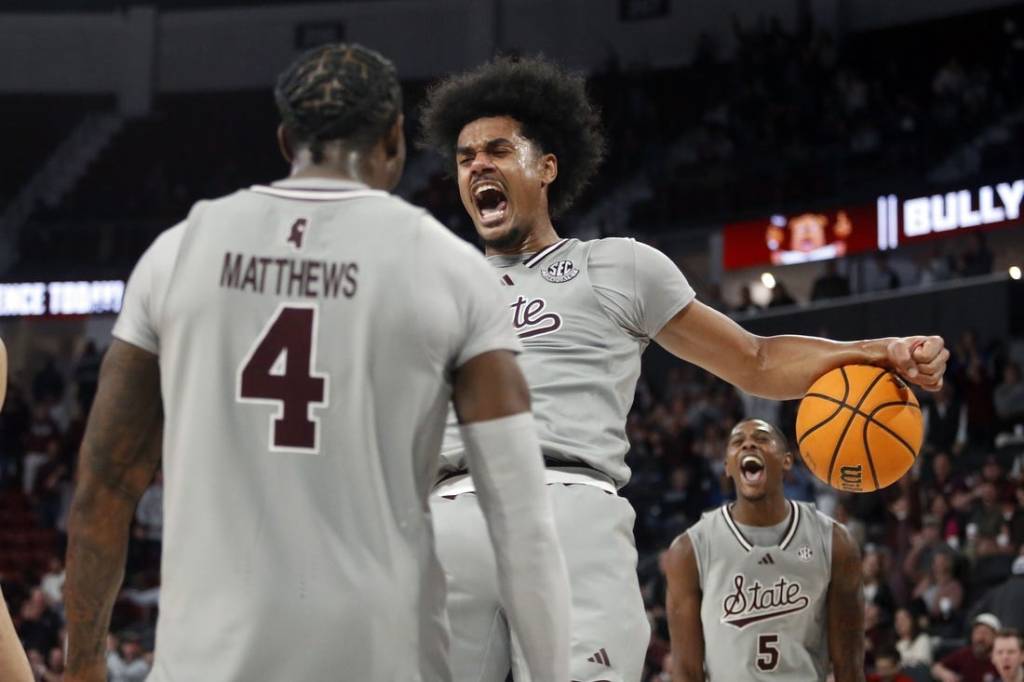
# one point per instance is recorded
(859, 428)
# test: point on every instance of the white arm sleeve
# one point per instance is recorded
(505, 462)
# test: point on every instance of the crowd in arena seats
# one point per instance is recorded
(969, 256)
(943, 549)
(796, 116)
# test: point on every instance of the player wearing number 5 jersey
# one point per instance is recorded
(306, 339)
(764, 588)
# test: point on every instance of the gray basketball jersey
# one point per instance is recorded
(763, 607)
(305, 332)
(585, 312)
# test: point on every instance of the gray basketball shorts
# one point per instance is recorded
(610, 631)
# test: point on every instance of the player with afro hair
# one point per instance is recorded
(551, 106)
(524, 140)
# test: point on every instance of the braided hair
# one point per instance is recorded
(550, 104)
(338, 92)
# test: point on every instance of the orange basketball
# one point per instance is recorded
(859, 428)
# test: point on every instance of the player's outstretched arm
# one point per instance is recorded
(784, 367)
(683, 608)
(846, 609)
(119, 455)
(493, 404)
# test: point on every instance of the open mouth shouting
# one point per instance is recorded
(491, 202)
(752, 469)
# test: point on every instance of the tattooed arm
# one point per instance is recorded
(119, 455)
(846, 609)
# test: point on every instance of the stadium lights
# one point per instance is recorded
(768, 280)
(1015, 272)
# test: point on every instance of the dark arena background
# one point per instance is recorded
(849, 168)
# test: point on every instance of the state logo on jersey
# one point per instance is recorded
(530, 319)
(560, 272)
(751, 602)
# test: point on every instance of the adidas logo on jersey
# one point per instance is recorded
(766, 559)
(602, 658)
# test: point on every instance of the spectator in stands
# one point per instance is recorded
(48, 384)
(987, 517)
(87, 373)
(881, 276)
(39, 624)
(1006, 601)
(878, 631)
(42, 432)
(52, 583)
(888, 667)
(830, 284)
(1008, 656)
(149, 523)
(914, 646)
(14, 423)
(126, 661)
(924, 545)
(1009, 396)
(876, 587)
(938, 267)
(971, 663)
(940, 591)
(977, 259)
(977, 394)
(945, 421)
(780, 296)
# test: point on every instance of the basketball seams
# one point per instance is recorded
(867, 453)
(839, 408)
(870, 416)
(885, 427)
(849, 422)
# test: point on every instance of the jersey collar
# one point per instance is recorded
(536, 258)
(787, 535)
(317, 189)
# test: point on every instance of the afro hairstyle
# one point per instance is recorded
(550, 103)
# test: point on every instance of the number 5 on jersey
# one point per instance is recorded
(278, 370)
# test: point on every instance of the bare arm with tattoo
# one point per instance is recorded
(846, 609)
(119, 455)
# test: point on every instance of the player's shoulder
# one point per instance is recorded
(704, 523)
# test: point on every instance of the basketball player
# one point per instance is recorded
(306, 338)
(524, 140)
(13, 663)
(764, 588)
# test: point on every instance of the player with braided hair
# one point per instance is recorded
(290, 351)
(524, 139)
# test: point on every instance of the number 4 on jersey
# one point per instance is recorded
(279, 370)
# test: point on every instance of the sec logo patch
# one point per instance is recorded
(559, 272)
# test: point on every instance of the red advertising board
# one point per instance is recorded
(800, 238)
